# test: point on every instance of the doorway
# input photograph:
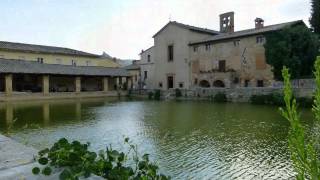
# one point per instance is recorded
(170, 82)
(222, 66)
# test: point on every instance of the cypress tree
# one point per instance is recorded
(315, 16)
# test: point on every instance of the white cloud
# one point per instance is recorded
(129, 31)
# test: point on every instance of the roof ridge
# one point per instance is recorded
(190, 27)
(35, 45)
(43, 46)
(268, 26)
(194, 26)
(247, 32)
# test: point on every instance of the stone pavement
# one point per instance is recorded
(17, 161)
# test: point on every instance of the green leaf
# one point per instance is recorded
(121, 157)
(63, 141)
(47, 171)
(126, 140)
(43, 161)
(145, 157)
(36, 170)
(65, 175)
(142, 165)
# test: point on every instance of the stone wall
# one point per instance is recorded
(244, 94)
(244, 56)
(233, 94)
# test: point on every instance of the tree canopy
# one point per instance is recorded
(315, 16)
(293, 47)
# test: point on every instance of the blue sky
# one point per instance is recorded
(122, 28)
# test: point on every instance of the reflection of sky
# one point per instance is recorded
(187, 139)
(123, 27)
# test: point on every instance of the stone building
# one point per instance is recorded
(134, 71)
(147, 68)
(52, 55)
(35, 71)
(186, 56)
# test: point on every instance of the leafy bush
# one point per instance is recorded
(220, 97)
(178, 93)
(77, 161)
(294, 47)
(157, 94)
(304, 153)
(150, 95)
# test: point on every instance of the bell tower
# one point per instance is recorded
(227, 22)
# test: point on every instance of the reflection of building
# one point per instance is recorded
(185, 56)
(33, 68)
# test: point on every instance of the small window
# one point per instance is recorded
(170, 53)
(40, 60)
(196, 81)
(145, 74)
(208, 47)
(246, 83)
(181, 85)
(160, 84)
(260, 39)
(88, 63)
(236, 43)
(149, 58)
(195, 48)
(135, 77)
(260, 83)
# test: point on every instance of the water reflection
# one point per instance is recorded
(189, 140)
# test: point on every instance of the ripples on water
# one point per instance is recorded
(189, 140)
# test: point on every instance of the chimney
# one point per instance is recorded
(227, 22)
(259, 23)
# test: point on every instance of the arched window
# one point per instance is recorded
(218, 83)
(204, 84)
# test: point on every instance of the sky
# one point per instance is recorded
(122, 28)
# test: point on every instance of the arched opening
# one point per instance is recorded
(218, 83)
(204, 84)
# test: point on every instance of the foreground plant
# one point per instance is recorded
(304, 155)
(76, 161)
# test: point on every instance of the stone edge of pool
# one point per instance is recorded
(17, 161)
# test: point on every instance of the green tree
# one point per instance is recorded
(315, 16)
(294, 47)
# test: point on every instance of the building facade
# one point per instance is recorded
(134, 71)
(52, 55)
(147, 72)
(44, 71)
(186, 56)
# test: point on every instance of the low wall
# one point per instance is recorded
(24, 96)
(233, 94)
(243, 94)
